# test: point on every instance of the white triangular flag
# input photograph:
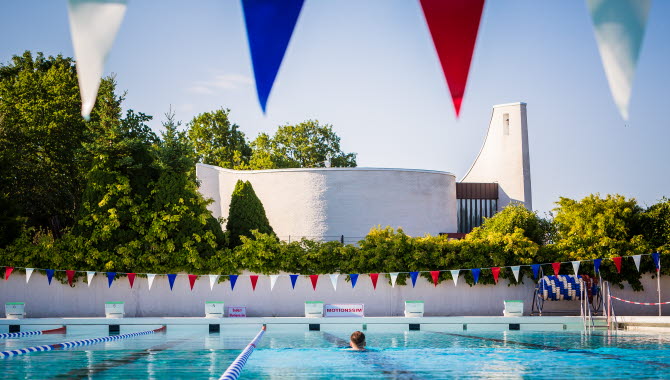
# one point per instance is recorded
(636, 259)
(29, 272)
(515, 270)
(273, 280)
(213, 278)
(333, 280)
(394, 277)
(150, 277)
(575, 267)
(93, 26)
(454, 275)
(89, 277)
(619, 26)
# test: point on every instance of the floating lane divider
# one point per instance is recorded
(60, 330)
(84, 342)
(235, 368)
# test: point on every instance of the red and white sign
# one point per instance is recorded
(344, 310)
(237, 312)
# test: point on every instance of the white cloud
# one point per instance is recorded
(221, 82)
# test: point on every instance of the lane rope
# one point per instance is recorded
(76, 343)
(60, 330)
(642, 303)
(235, 368)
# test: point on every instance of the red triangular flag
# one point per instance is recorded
(557, 267)
(496, 273)
(70, 276)
(454, 25)
(617, 263)
(254, 280)
(191, 279)
(435, 274)
(8, 272)
(374, 277)
(314, 278)
(131, 279)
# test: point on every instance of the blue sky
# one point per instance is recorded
(369, 68)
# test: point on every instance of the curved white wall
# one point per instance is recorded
(324, 203)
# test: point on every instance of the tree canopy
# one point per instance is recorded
(217, 141)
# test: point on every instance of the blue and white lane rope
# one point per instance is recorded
(60, 330)
(235, 368)
(84, 342)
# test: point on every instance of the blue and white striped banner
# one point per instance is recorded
(235, 368)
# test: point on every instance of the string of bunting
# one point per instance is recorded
(314, 278)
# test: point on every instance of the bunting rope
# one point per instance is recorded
(76, 343)
(642, 303)
(235, 368)
(60, 330)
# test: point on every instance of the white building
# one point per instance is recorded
(344, 203)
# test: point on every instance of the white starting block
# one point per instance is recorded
(15, 310)
(114, 310)
(413, 308)
(214, 309)
(513, 308)
(313, 309)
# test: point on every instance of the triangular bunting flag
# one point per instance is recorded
(269, 24)
(333, 280)
(191, 280)
(454, 275)
(435, 274)
(596, 265)
(150, 279)
(536, 270)
(171, 278)
(273, 280)
(413, 276)
(50, 275)
(213, 279)
(636, 260)
(475, 274)
(294, 278)
(314, 278)
(29, 272)
(70, 276)
(657, 260)
(394, 278)
(93, 26)
(131, 279)
(496, 273)
(110, 278)
(233, 280)
(353, 278)
(374, 277)
(556, 267)
(619, 26)
(454, 25)
(254, 280)
(617, 263)
(89, 277)
(575, 267)
(515, 271)
(8, 272)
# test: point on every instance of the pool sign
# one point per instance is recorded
(344, 310)
(237, 312)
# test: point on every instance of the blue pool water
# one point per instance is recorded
(189, 352)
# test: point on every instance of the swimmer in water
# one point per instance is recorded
(357, 341)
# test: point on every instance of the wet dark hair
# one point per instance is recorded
(358, 337)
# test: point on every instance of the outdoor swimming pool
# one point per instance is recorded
(190, 352)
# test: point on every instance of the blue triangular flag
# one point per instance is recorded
(413, 276)
(110, 278)
(657, 260)
(354, 278)
(536, 270)
(171, 278)
(50, 275)
(596, 265)
(270, 24)
(233, 280)
(294, 278)
(475, 273)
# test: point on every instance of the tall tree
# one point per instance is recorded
(217, 141)
(246, 213)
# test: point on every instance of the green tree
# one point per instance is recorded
(515, 216)
(246, 213)
(217, 141)
(305, 145)
(656, 225)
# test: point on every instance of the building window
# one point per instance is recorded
(506, 124)
(475, 201)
